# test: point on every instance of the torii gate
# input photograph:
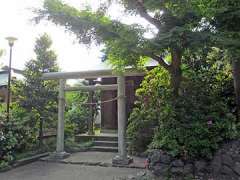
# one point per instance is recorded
(122, 157)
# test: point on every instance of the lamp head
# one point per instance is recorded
(11, 40)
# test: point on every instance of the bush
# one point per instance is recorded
(78, 110)
(77, 119)
(192, 125)
(25, 128)
(7, 143)
(145, 115)
(17, 135)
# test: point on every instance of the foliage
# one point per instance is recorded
(77, 114)
(175, 19)
(36, 96)
(191, 125)
(7, 142)
(17, 135)
(144, 117)
(176, 25)
(34, 100)
(78, 111)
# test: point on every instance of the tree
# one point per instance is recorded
(200, 119)
(34, 94)
(226, 18)
(175, 21)
(223, 17)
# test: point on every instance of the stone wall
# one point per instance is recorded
(225, 165)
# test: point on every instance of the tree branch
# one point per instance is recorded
(159, 59)
(143, 13)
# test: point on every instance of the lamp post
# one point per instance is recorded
(11, 41)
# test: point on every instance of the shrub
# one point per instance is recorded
(16, 135)
(78, 114)
(192, 125)
(77, 118)
(78, 111)
(25, 127)
(7, 142)
(145, 115)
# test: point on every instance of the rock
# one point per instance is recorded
(226, 170)
(142, 173)
(166, 159)
(225, 165)
(226, 177)
(237, 169)
(216, 164)
(188, 169)
(159, 157)
(161, 170)
(177, 170)
(117, 160)
(177, 163)
(227, 160)
(131, 177)
(200, 166)
(155, 157)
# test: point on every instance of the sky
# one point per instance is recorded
(15, 18)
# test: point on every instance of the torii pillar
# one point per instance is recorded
(60, 153)
(121, 158)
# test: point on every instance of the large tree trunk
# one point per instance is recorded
(236, 79)
(175, 71)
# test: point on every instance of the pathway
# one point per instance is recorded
(56, 171)
(74, 168)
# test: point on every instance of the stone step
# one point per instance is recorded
(106, 143)
(107, 137)
(103, 149)
(108, 131)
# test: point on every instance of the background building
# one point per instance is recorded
(16, 74)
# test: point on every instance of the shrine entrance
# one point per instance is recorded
(120, 87)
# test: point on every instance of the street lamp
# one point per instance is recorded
(11, 41)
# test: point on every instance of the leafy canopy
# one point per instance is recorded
(125, 44)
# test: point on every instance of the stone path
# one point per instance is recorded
(56, 171)
(98, 159)
(74, 168)
(91, 157)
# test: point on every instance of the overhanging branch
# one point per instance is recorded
(143, 13)
(160, 60)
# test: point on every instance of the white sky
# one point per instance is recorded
(15, 18)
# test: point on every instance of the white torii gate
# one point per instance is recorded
(122, 157)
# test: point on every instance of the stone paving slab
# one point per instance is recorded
(59, 171)
(104, 157)
(98, 159)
